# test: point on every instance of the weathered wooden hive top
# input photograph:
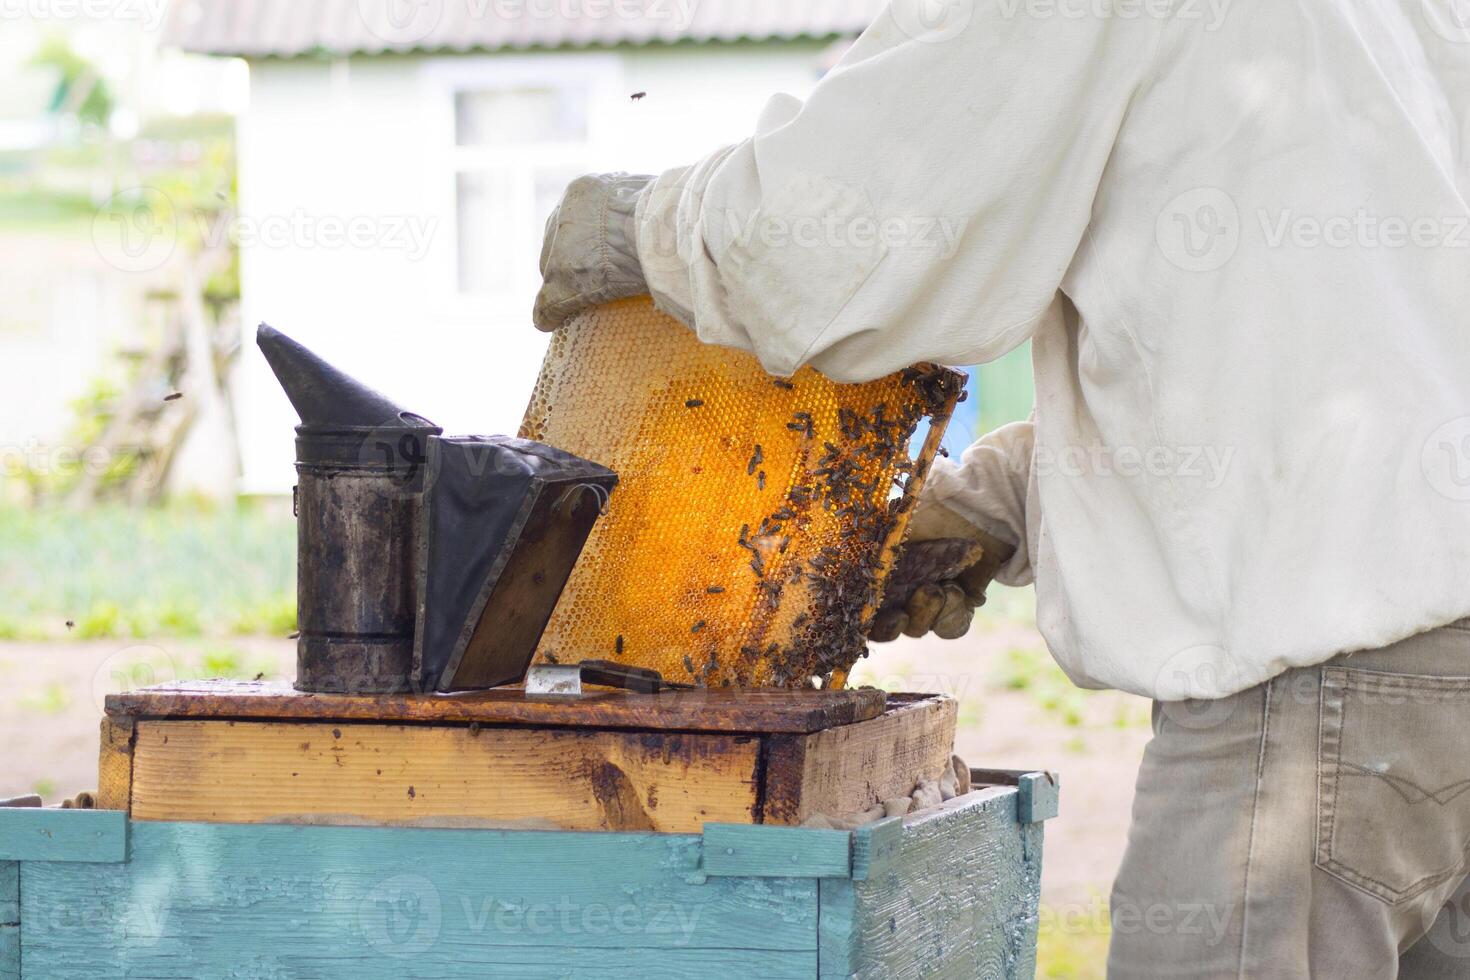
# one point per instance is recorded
(697, 710)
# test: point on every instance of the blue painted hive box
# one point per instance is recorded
(380, 889)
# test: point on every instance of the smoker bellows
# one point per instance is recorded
(408, 542)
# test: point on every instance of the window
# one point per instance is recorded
(516, 148)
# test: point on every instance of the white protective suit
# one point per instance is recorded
(1237, 235)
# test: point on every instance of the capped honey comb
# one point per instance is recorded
(754, 519)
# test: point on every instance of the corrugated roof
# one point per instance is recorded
(288, 28)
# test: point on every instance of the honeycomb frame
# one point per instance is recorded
(755, 517)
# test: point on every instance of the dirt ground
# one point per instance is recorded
(1015, 713)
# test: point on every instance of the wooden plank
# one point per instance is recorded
(10, 952)
(844, 771)
(731, 850)
(35, 834)
(9, 893)
(1040, 790)
(115, 764)
(876, 846)
(701, 710)
(199, 900)
(960, 899)
(415, 775)
(9, 920)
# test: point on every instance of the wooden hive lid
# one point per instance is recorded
(714, 710)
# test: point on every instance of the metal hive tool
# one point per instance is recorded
(755, 516)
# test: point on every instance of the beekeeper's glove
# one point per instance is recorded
(940, 578)
(590, 253)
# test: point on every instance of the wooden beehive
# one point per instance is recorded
(250, 752)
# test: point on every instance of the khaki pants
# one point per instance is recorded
(1315, 826)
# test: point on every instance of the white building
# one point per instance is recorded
(398, 159)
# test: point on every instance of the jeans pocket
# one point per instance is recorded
(1393, 780)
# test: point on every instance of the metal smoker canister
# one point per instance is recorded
(360, 471)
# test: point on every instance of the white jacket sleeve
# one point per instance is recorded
(923, 204)
(989, 487)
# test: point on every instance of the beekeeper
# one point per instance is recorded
(1236, 234)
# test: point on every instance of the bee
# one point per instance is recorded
(783, 385)
(715, 589)
(697, 627)
(694, 403)
(760, 480)
(618, 644)
(637, 95)
(756, 458)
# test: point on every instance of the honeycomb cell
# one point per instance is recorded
(748, 538)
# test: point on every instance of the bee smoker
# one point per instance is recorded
(360, 482)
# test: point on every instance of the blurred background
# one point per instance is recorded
(372, 177)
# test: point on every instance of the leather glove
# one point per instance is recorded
(940, 578)
(590, 253)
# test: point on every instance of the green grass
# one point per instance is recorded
(1036, 673)
(116, 572)
(52, 699)
(1073, 947)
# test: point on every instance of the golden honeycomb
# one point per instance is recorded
(754, 517)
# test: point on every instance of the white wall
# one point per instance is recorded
(371, 142)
